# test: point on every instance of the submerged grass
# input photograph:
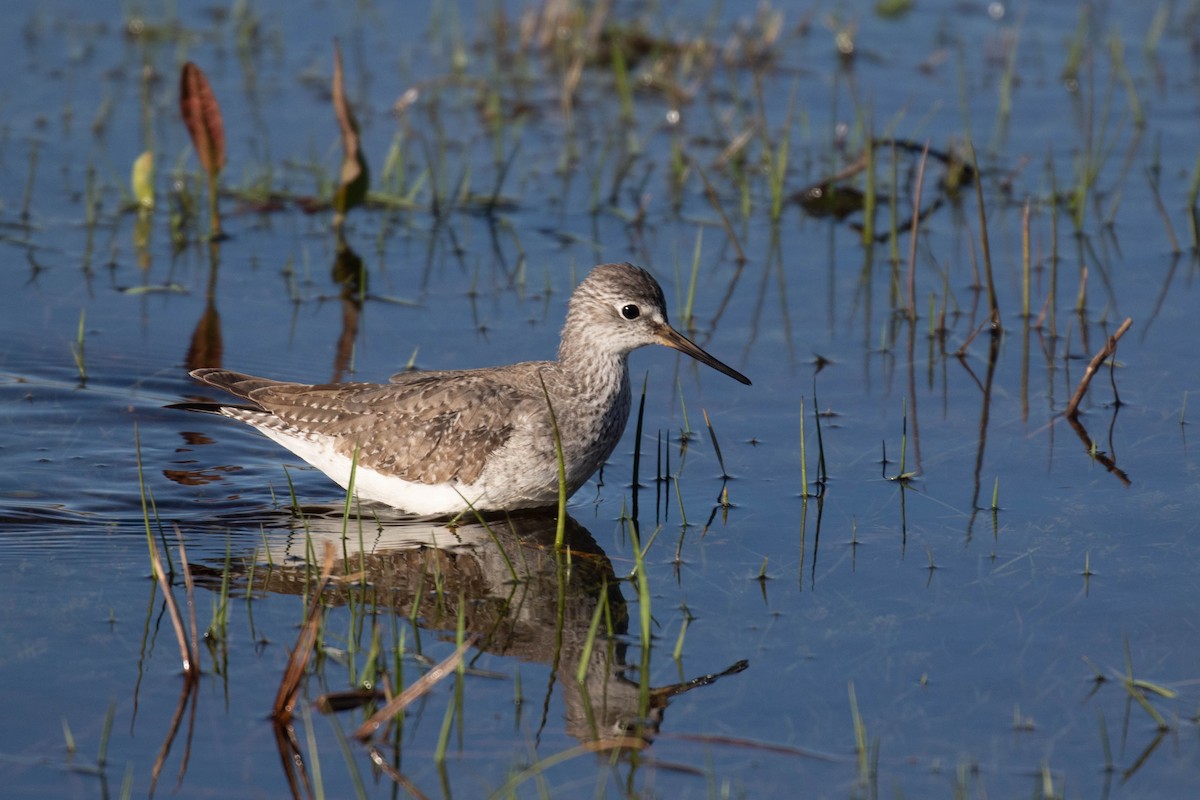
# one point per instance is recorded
(712, 436)
(77, 349)
(645, 612)
(616, 162)
(187, 645)
(219, 627)
(456, 699)
(865, 759)
(414, 691)
(589, 642)
(147, 500)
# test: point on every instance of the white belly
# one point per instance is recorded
(440, 499)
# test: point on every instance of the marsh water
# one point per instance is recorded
(891, 567)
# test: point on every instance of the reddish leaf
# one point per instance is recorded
(202, 116)
(352, 189)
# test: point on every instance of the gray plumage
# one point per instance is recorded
(428, 442)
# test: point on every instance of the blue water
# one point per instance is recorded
(971, 638)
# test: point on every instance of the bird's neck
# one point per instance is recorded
(594, 374)
(591, 397)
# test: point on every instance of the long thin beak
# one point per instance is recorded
(674, 339)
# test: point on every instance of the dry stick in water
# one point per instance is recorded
(185, 651)
(1110, 347)
(387, 769)
(285, 700)
(419, 687)
(985, 247)
(715, 202)
(1106, 461)
(191, 593)
(191, 656)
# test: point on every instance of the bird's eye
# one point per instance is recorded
(630, 311)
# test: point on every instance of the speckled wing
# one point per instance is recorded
(430, 428)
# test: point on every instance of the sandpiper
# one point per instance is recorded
(437, 443)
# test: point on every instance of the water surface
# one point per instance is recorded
(986, 646)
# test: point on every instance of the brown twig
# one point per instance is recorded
(1105, 460)
(419, 687)
(186, 653)
(404, 783)
(190, 652)
(191, 594)
(293, 761)
(285, 699)
(715, 202)
(962, 350)
(1110, 347)
(986, 249)
(825, 184)
(188, 693)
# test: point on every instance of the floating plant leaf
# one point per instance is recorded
(893, 9)
(830, 200)
(142, 179)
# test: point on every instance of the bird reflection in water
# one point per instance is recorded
(517, 593)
